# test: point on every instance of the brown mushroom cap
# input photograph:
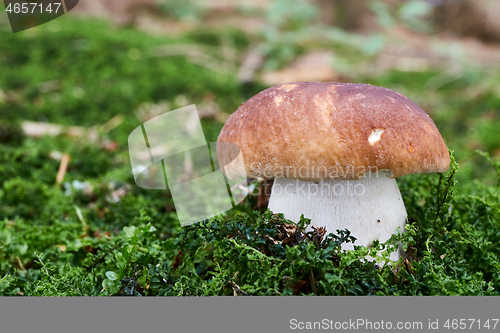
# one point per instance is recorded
(315, 131)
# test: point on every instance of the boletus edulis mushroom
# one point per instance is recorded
(334, 150)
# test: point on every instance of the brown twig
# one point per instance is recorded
(65, 158)
(236, 289)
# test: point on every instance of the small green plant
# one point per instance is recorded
(411, 14)
(293, 26)
(183, 9)
(494, 162)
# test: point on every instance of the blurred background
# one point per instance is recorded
(73, 89)
(131, 60)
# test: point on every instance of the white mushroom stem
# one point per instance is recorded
(371, 207)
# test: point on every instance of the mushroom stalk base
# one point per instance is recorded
(371, 207)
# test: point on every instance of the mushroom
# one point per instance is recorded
(334, 151)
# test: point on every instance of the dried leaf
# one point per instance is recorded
(177, 260)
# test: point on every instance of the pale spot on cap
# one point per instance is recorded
(278, 99)
(288, 86)
(375, 136)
